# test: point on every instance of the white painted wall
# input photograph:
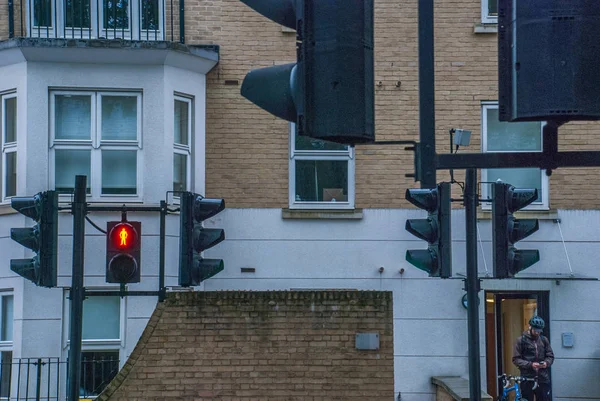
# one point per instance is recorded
(430, 324)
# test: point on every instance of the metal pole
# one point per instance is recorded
(77, 289)
(427, 163)
(11, 19)
(472, 284)
(161, 256)
(181, 21)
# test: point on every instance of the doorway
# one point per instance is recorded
(507, 315)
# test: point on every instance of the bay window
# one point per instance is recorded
(182, 143)
(97, 134)
(8, 144)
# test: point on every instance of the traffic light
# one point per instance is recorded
(194, 239)
(507, 230)
(123, 246)
(329, 91)
(546, 68)
(435, 229)
(42, 238)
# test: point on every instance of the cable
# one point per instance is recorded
(482, 253)
(565, 247)
(94, 225)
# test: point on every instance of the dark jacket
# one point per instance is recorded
(528, 350)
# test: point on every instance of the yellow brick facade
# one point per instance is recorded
(248, 149)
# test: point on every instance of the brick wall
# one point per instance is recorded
(247, 148)
(261, 346)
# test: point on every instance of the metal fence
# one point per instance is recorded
(145, 20)
(44, 379)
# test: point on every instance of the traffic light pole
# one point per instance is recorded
(472, 284)
(77, 290)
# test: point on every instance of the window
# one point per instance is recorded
(101, 343)
(97, 134)
(499, 136)
(182, 142)
(6, 338)
(489, 11)
(8, 142)
(321, 173)
(108, 19)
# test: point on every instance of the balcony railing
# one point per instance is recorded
(145, 20)
(44, 379)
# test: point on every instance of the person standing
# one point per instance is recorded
(533, 356)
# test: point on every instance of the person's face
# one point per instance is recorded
(535, 333)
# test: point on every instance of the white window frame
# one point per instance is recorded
(6, 346)
(59, 30)
(486, 188)
(486, 18)
(185, 150)
(337, 155)
(6, 148)
(96, 144)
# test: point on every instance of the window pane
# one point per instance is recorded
(321, 181)
(77, 13)
(119, 118)
(179, 172)
(68, 164)
(119, 172)
(150, 15)
(98, 368)
(10, 126)
(73, 116)
(504, 136)
(42, 13)
(306, 143)
(493, 7)
(181, 122)
(5, 373)
(116, 14)
(7, 318)
(101, 318)
(519, 178)
(11, 174)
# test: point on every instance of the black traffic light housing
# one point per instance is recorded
(329, 91)
(436, 260)
(123, 251)
(507, 230)
(194, 239)
(42, 238)
(548, 60)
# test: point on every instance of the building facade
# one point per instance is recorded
(108, 90)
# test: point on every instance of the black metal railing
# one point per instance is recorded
(146, 20)
(43, 379)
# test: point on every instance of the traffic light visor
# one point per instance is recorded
(205, 208)
(423, 198)
(518, 198)
(281, 11)
(423, 259)
(30, 206)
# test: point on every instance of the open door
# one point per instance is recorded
(507, 316)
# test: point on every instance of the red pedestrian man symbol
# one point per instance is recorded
(123, 235)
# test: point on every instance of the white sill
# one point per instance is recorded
(322, 214)
(485, 28)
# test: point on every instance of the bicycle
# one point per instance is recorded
(512, 383)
